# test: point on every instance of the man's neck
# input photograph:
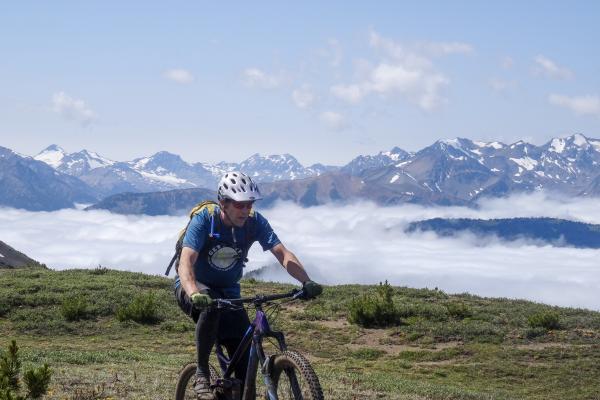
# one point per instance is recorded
(223, 218)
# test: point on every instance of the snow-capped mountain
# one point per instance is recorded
(167, 171)
(361, 164)
(33, 185)
(75, 164)
(171, 170)
(450, 171)
(279, 167)
(458, 171)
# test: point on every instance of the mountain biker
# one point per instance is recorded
(214, 252)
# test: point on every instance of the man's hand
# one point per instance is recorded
(311, 289)
(200, 300)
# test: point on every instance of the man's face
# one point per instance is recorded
(237, 211)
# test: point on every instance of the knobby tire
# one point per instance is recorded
(294, 378)
(185, 384)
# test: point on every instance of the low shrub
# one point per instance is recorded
(533, 333)
(75, 308)
(544, 319)
(375, 311)
(4, 308)
(144, 308)
(459, 310)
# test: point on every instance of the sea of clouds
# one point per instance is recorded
(358, 243)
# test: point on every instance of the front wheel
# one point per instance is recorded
(186, 381)
(294, 378)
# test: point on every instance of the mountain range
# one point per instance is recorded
(166, 171)
(448, 172)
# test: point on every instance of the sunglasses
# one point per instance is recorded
(240, 205)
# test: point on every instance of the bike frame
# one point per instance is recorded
(258, 329)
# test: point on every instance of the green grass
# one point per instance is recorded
(446, 346)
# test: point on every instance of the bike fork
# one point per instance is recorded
(266, 371)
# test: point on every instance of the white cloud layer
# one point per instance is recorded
(360, 243)
(550, 69)
(580, 105)
(179, 75)
(72, 109)
(406, 71)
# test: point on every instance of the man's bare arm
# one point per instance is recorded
(289, 261)
(187, 259)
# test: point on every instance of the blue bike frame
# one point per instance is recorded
(258, 329)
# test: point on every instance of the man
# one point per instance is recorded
(214, 251)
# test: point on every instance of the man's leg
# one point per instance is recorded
(207, 325)
(234, 325)
(206, 336)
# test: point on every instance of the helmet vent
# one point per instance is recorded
(233, 181)
(243, 181)
(243, 189)
(226, 187)
(233, 190)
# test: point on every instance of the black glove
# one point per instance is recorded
(311, 289)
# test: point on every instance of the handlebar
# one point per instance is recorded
(258, 299)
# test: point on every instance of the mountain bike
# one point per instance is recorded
(286, 374)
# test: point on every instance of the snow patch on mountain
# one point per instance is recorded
(51, 155)
(493, 145)
(557, 145)
(579, 140)
(525, 162)
(168, 178)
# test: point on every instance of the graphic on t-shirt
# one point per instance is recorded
(224, 257)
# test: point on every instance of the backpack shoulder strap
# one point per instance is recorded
(211, 207)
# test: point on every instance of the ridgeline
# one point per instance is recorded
(83, 324)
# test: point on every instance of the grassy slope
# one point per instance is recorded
(491, 354)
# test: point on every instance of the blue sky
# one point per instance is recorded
(324, 82)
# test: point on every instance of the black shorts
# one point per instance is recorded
(233, 324)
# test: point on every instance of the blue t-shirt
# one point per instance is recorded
(222, 257)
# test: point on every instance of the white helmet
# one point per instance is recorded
(237, 186)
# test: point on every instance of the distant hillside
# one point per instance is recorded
(11, 258)
(558, 232)
(172, 202)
